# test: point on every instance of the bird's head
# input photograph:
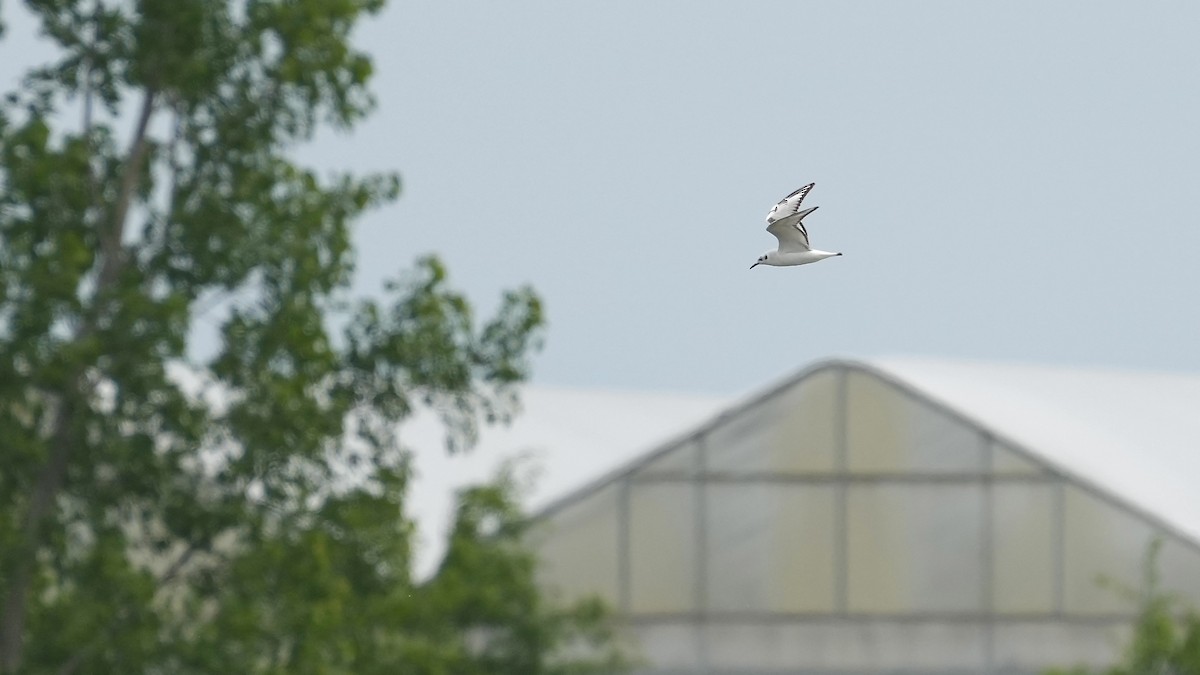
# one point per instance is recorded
(761, 259)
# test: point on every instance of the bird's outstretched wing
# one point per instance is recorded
(790, 232)
(789, 204)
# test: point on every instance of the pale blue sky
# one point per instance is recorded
(1007, 180)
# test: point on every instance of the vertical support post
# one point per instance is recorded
(700, 499)
(841, 560)
(624, 555)
(987, 563)
(1060, 543)
(700, 496)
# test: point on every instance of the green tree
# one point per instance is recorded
(1166, 634)
(240, 512)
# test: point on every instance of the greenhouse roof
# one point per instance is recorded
(1133, 435)
(564, 438)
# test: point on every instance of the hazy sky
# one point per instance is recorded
(1007, 180)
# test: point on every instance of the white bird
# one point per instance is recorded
(785, 221)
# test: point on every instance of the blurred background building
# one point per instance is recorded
(898, 516)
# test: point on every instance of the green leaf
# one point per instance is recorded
(245, 514)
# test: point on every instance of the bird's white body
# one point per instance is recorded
(785, 221)
(777, 259)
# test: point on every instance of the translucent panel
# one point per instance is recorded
(914, 548)
(847, 646)
(1008, 461)
(1100, 542)
(681, 460)
(1034, 646)
(662, 547)
(770, 547)
(577, 547)
(1179, 569)
(891, 431)
(877, 645)
(789, 432)
(671, 646)
(1023, 541)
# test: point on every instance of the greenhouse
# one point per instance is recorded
(895, 516)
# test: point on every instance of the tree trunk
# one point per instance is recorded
(52, 475)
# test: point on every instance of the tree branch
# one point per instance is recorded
(52, 475)
(112, 259)
(12, 623)
(89, 95)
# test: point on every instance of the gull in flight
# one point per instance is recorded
(786, 222)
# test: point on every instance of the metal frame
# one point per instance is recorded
(986, 479)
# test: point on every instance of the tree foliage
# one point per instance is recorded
(1166, 635)
(240, 512)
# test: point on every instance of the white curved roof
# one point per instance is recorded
(571, 435)
(1130, 434)
(1134, 436)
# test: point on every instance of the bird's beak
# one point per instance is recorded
(754, 265)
